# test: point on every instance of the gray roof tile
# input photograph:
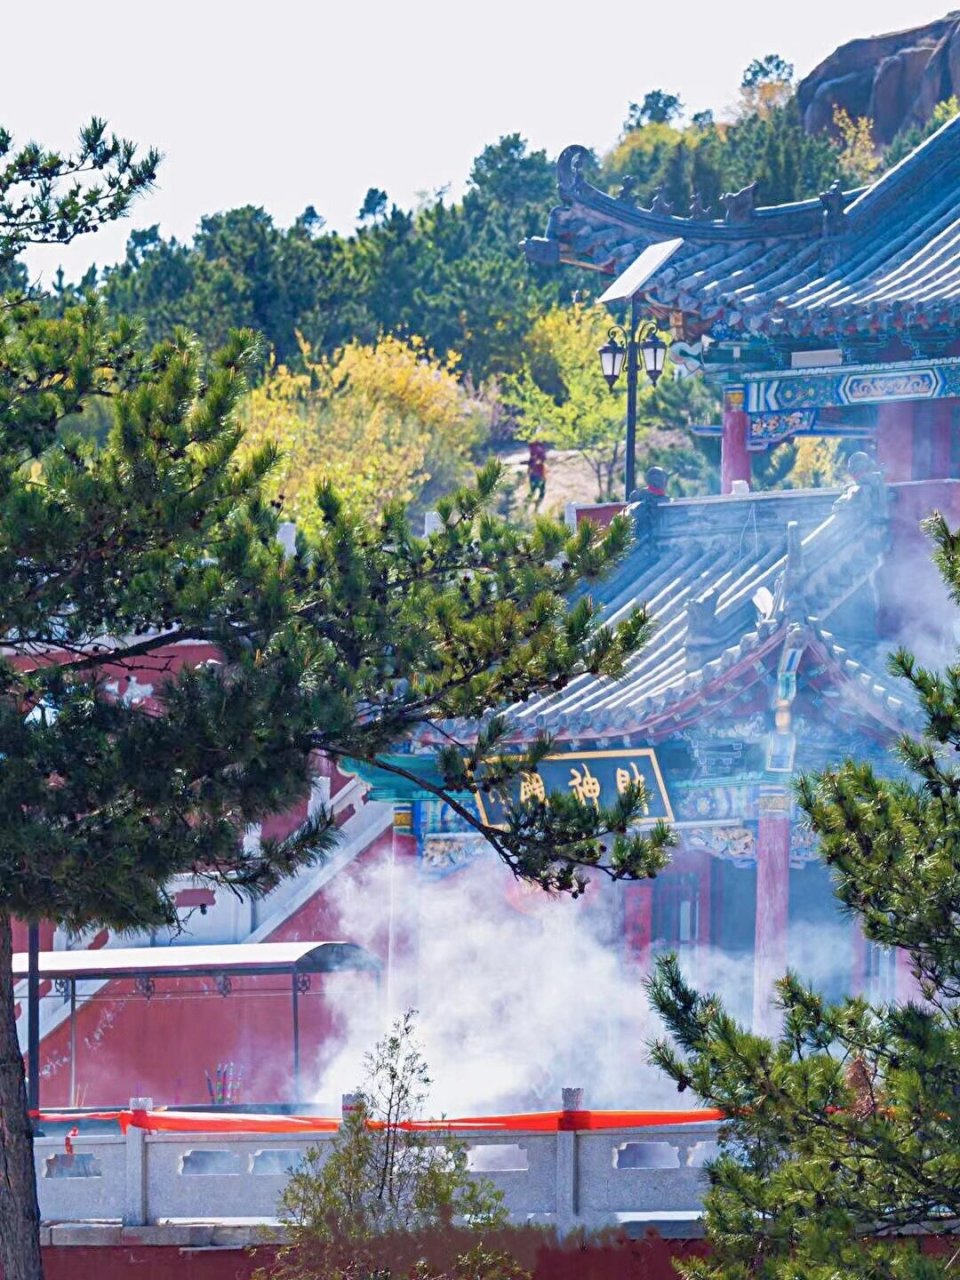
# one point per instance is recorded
(697, 556)
(891, 250)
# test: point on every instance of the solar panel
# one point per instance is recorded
(629, 282)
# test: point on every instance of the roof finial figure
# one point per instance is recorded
(865, 490)
(646, 503)
(698, 210)
(660, 203)
(833, 202)
(739, 205)
(789, 593)
(628, 188)
(570, 164)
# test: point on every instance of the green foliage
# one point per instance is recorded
(560, 397)
(450, 273)
(103, 549)
(374, 205)
(51, 197)
(240, 272)
(121, 543)
(160, 534)
(110, 551)
(379, 1177)
(658, 107)
(773, 69)
(908, 139)
(766, 144)
(843, 1131)
(377, 1192)
(437, 630)
(675, 405)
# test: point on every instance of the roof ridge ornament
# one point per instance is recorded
(739, 205)
(570, 177)
(703, 631)
(834, 202)
(699, 212)
(628, 189)
(789, 592)
(865, 493)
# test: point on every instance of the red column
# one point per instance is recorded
(942, 427)
(734, 456)
(638, 922)
(773, 897)
(895, 440)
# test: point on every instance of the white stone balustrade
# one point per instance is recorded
(588, 1178)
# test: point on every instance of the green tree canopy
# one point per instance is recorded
(116, 548)
(773, 69)
(450, 273)
(767, 144)
(658, 107)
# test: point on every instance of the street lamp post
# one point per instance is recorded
(641, 343)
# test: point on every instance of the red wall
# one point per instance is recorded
(129, 1046)
(122, 1262)
(649, 1259)
(600, 513)
(908, 574)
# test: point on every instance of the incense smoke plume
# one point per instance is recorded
(518, 993)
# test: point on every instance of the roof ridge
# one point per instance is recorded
(802, 218)
(918, 165)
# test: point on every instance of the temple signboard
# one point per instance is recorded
(595, 777)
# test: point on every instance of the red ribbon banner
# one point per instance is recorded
(161, 1120)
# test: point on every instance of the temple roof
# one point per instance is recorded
(847, 262)
(732, 583)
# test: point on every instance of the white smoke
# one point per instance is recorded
(519, 993)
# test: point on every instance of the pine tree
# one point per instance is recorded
(116, 551)
(678, 177)
(845, 1131)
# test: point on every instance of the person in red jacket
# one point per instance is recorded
(537, 470)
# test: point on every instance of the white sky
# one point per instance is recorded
(287, 103)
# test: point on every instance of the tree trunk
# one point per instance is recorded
(19, 1210)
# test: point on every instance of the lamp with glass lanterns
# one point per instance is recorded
(643, 343)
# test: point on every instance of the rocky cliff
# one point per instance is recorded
(895, 79)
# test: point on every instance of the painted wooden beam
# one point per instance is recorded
(802, 390)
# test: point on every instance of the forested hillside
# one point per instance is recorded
(348, 321)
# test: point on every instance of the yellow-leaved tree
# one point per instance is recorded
(644, 150)
(858, 154)
(819, 463)
(383, 422)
